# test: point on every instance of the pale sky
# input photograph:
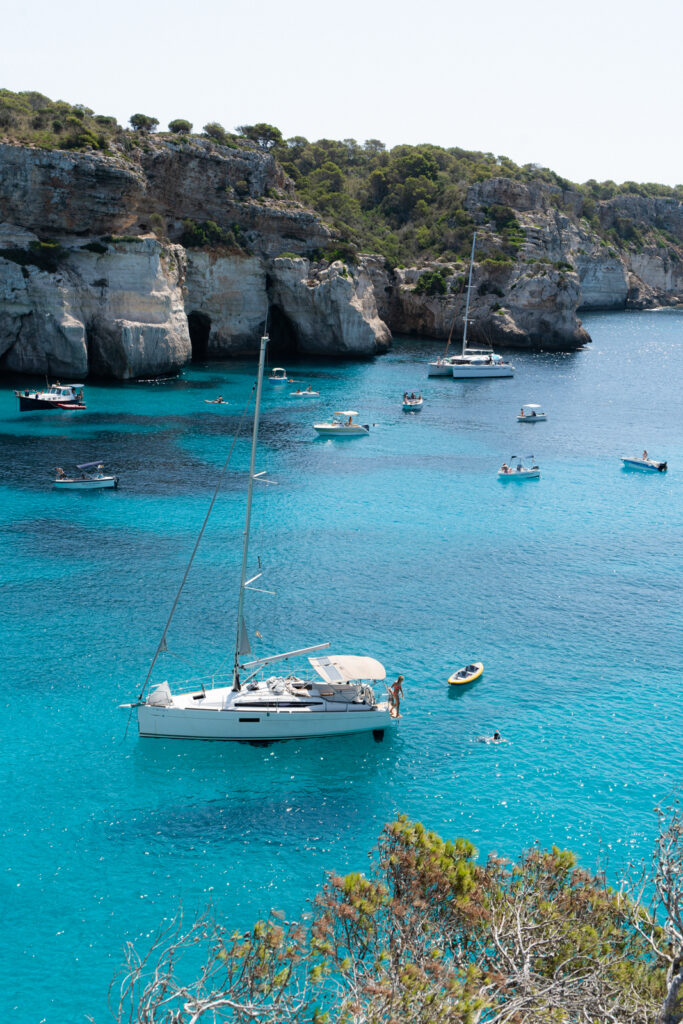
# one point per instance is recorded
(591, 89)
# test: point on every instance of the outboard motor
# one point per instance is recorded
(661, 466)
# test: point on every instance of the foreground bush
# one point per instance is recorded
(432, 936)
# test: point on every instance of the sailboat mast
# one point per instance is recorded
(247, 521)
(467, 301)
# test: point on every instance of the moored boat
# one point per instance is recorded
(531, 413)
(57, 396)
(517, 470)
(92, 478)
(412, 402)
(306, 393)
(253, 705)
(645, 462)
(278, 375)
(342, 424)
(467, 674)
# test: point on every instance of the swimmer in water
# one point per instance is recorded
(496, 738)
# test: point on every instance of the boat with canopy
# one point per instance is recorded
(92, 478)
(342, 424)
(517, 470)
(531, 413)
(57, 396)
(255, 702)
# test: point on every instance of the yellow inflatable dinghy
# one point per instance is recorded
(467, 674)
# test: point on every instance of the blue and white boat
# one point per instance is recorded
(92, 478)
(517, 470)
(646, 463)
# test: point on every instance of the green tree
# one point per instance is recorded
(180, 126)
(143, 123)
(264, 135)
(216, 132)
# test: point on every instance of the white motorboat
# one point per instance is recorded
(412, 402)
(57, 396)
(342, 424)
(92, 478)
(306, 393)
(531, 413)
(645, 462)
(278, 375)
(251, 704)
(517, 470)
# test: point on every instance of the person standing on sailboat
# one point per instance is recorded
(395, 694)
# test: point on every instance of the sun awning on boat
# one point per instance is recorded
(89, 465)
(346, 668)
(349, 412)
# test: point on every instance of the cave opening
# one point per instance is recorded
(284, 338)
(199, 326)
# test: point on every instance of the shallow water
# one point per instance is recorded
(402, 545)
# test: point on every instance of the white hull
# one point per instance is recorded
(646, 464)
(412, 406)
(254, 725)
(532, 419)
(329, 430)
(439, 370)
(521, 474)
(472, 371)
(87, 485)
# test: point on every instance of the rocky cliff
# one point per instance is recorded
(127, 264)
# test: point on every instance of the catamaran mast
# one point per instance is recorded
(247, 521)
(467, 301)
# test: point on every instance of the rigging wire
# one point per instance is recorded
(162, 643)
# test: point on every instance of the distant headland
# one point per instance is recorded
(126, 252)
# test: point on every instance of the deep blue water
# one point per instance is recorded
(402, 545)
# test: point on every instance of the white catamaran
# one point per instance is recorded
(254, 706)
(471, 364)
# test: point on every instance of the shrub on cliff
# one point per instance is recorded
(264, 135)
(180, 126)
(432, 282)
(432, 935)
(207, 233)
(143, 122)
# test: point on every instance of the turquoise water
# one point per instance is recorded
(402, 545)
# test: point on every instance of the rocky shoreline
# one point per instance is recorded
(99, 274)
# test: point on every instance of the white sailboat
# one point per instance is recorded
(252, 705)
(473, 364)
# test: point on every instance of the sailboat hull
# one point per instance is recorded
(248, 726)
(439, 370)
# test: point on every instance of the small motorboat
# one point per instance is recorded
(306, 393)
(92, 478)
(57, 396)
(216, 401)
(531, 413)
(467, 674)
(517, 470)
(411, 401)
(278, 375)
(342, 424)
(645, 462)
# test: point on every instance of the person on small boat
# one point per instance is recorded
(219, 400)
(61, 475)
(521, 411)
(308, 388)
(645, 455)
(395, 694)
(505, 468)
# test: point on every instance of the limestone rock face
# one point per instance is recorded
(51, 191)
(117, 313)
(227, 290)
(513, 305)
(332, 311)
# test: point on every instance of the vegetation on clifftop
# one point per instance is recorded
(407, 204)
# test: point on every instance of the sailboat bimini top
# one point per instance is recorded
(346, 668)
